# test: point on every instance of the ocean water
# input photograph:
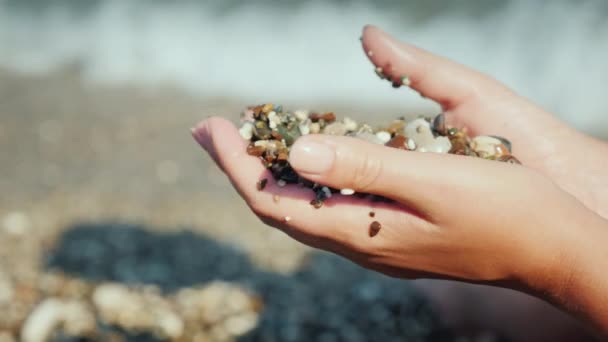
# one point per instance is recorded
(553, 52)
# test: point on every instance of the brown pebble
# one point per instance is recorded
(276, 135)
(283, 156)
(329, 117)
(276, 198)
(262, 184)
(398, 141)
(316, 203)
(374, 228)
(372, 214)
(256, 151)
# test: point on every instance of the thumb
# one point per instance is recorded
(417, 180)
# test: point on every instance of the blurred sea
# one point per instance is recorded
(308, 52)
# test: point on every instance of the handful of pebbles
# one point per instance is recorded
(272, 131)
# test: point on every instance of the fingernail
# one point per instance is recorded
(197, 134)
(312, 157)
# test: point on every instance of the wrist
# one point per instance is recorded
(573, 271)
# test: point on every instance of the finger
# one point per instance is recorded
(340, 226)
(418, 180)
(435, 77)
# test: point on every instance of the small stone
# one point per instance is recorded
(261, 184)
(347, 192)
(326, 192)
(246, 131)
(301, 115)
(383, 136)
(372, 214)
(374, 228)
(287, 219)
(73, 317)
(405, 80)
(267, 108)
(419, 131)
(276, 198)
(379, 72)
(370, 53)
(411, 145)
(488, 147)
(336, 128)
(398, 141)
(350, 124)
(369, 137)
(256, 151)
(16, 223)
(281, 183)
(305, 128)
(315, 128)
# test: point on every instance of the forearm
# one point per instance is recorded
(581, 286)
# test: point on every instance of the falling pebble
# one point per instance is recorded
(276, 198)
(374, 228)
(372, 214)
(347, 192)
(287, 218)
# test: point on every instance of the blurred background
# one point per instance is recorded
(115, 226)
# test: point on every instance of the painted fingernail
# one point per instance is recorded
(312, 157)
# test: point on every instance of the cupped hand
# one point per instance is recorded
(454, 217)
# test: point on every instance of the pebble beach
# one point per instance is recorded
(115, 226)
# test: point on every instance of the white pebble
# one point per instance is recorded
(349, 124)
(16, 223)
(336, 128)
(315, 128)
(246, 131)
(272, 125)
(304, 128)
(411, 145)
(301, 115)
(261, 143)
(485, 145)
(383, 136)
(347, 192)
(281, 183)
(287, 218)
(41, 323)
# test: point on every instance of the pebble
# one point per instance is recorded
(246, 131)
(374, 228)
(305, 128)
(16, 223)
(420, 132)
(350, 124)
(136, 311)
(336, 128)
(281, 183)
(488, 147)
(383, 136)
(315, 128)
(301, 115)
(347, 192)
(369, 137)
(73, 317)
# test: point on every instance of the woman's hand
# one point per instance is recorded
(535, 228)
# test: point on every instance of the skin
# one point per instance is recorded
(540, 228)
